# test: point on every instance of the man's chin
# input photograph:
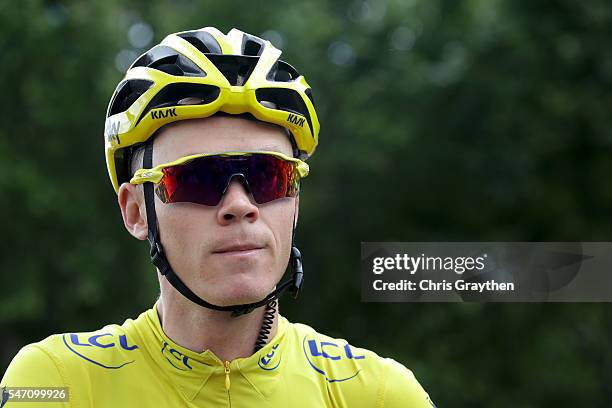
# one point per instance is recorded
(239, 294)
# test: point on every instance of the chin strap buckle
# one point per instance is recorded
(158, 258)
(242, 311)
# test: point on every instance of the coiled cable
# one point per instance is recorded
(266, 325)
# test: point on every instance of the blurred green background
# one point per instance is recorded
(441, 120)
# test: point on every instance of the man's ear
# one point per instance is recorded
(131, 202)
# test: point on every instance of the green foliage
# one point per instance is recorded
(441, 120)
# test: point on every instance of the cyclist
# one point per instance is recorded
(206, 138)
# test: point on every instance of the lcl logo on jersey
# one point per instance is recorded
(177, 359)
(270, 361)
(87, 348)
(320, 354)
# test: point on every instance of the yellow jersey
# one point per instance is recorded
(137, 365)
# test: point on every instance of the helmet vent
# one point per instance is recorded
(285, 99)
(168, 60)
(236, 68)
(282, 72)
(126, 94)
(179, 94)
(203, 41)
(251, 45)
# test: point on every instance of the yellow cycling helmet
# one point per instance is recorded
(195, 74)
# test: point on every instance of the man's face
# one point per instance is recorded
(237, 251)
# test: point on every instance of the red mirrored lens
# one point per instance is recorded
(271, 178)
(204, 180)
(198, 181)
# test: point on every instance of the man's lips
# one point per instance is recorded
(238, 249)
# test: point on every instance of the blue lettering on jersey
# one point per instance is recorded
(269, 362)
(318, 351)
(93, 340)
(96, 341)
(175, 356)
(124, 345)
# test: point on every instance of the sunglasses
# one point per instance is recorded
(204, 178)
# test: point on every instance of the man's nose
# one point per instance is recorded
(237, 204)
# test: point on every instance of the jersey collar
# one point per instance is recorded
(193, 372)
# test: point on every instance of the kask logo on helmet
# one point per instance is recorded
(295, 120)
(163, 113)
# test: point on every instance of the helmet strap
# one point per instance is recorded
(158, 257)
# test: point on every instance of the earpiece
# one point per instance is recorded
(298, 272)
